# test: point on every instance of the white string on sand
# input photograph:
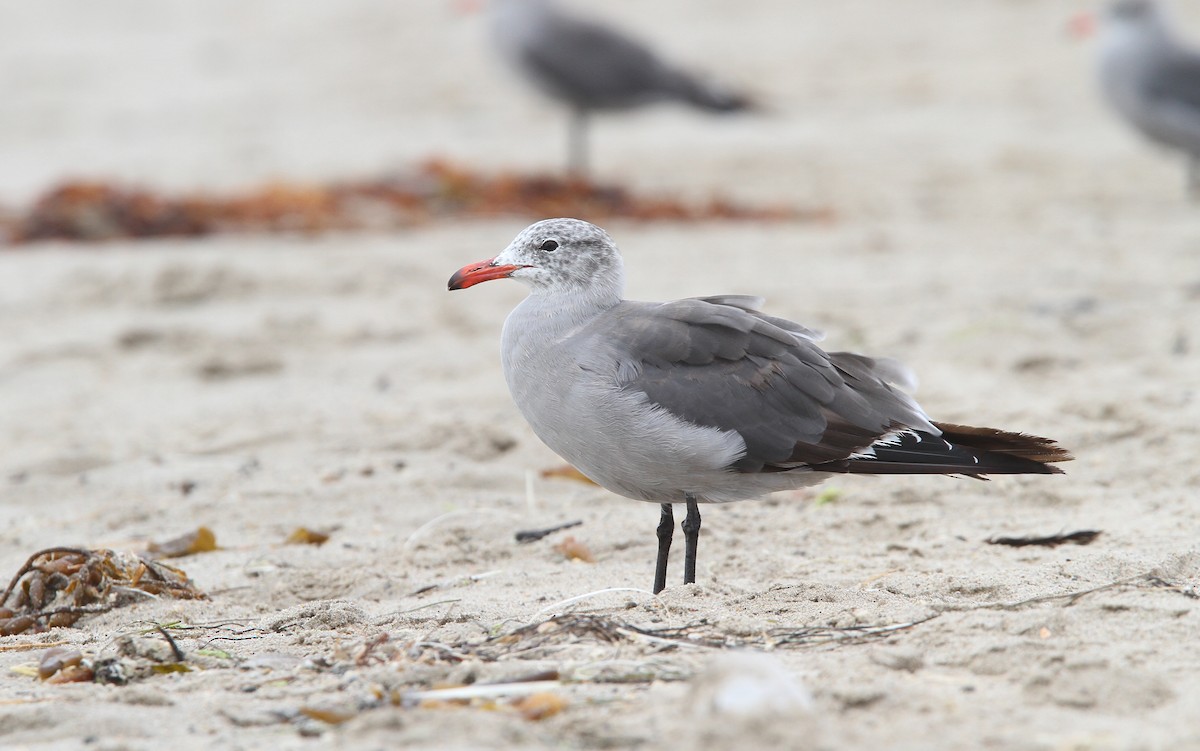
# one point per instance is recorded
(530, 494)
(579, 598)
(419, 531)
(482, 692)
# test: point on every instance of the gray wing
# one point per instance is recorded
(595, 66)
(726, 366)
(1178, 80)
(753, 304)
(1168, 107)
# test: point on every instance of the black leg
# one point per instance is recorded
(666, 528)
(691, 536)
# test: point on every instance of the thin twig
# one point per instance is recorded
(578, 598)
(427, 605)
(530, 494)
(1070, 597)
(659, 640)
(75, 610)
(443, 648)
(175, 650)
(30, 647)
(471, 579)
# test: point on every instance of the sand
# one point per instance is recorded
(1036, 263)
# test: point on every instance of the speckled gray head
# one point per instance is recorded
(1135, 45)
(1133, 9)
(554, 256)
(1143, 19)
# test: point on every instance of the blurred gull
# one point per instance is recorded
(589, 66)
(1152, 79)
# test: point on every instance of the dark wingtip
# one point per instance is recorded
(959, 450)
(729, 103)
(714, 98)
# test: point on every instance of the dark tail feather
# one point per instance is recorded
(707, 96)
(1032, 447)
(959, 450)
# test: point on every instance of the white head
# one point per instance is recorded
(517, 24)
(1135, 40)
(1136, 11)
(554, 256)
(1136, 22)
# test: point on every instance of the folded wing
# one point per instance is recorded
(718, 362)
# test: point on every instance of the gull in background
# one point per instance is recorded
(589, 66)
(1152, 79)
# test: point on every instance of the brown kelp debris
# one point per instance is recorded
(306, 536)
(126, 658)
(574, 550)
(96, 210)
(1080, 537)
(63, 665)
(525, 536)
(58, 586)
(199, 540)
(539, 706)
(533, 698)
(327, 716)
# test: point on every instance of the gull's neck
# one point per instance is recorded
(560, 309)
(547, 316)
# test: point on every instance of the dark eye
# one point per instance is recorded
(549, 246)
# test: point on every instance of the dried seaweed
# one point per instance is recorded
(1080, 537)
(327, 716)
(574, 550)
(306, 536)
(533, 535)
(97, 211)
(58, 586)
(63, 665)
(199, 540)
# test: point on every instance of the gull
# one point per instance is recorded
(1152, 79)
(707, 400)
(589, 66)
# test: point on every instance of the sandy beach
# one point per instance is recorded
(993, 226)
